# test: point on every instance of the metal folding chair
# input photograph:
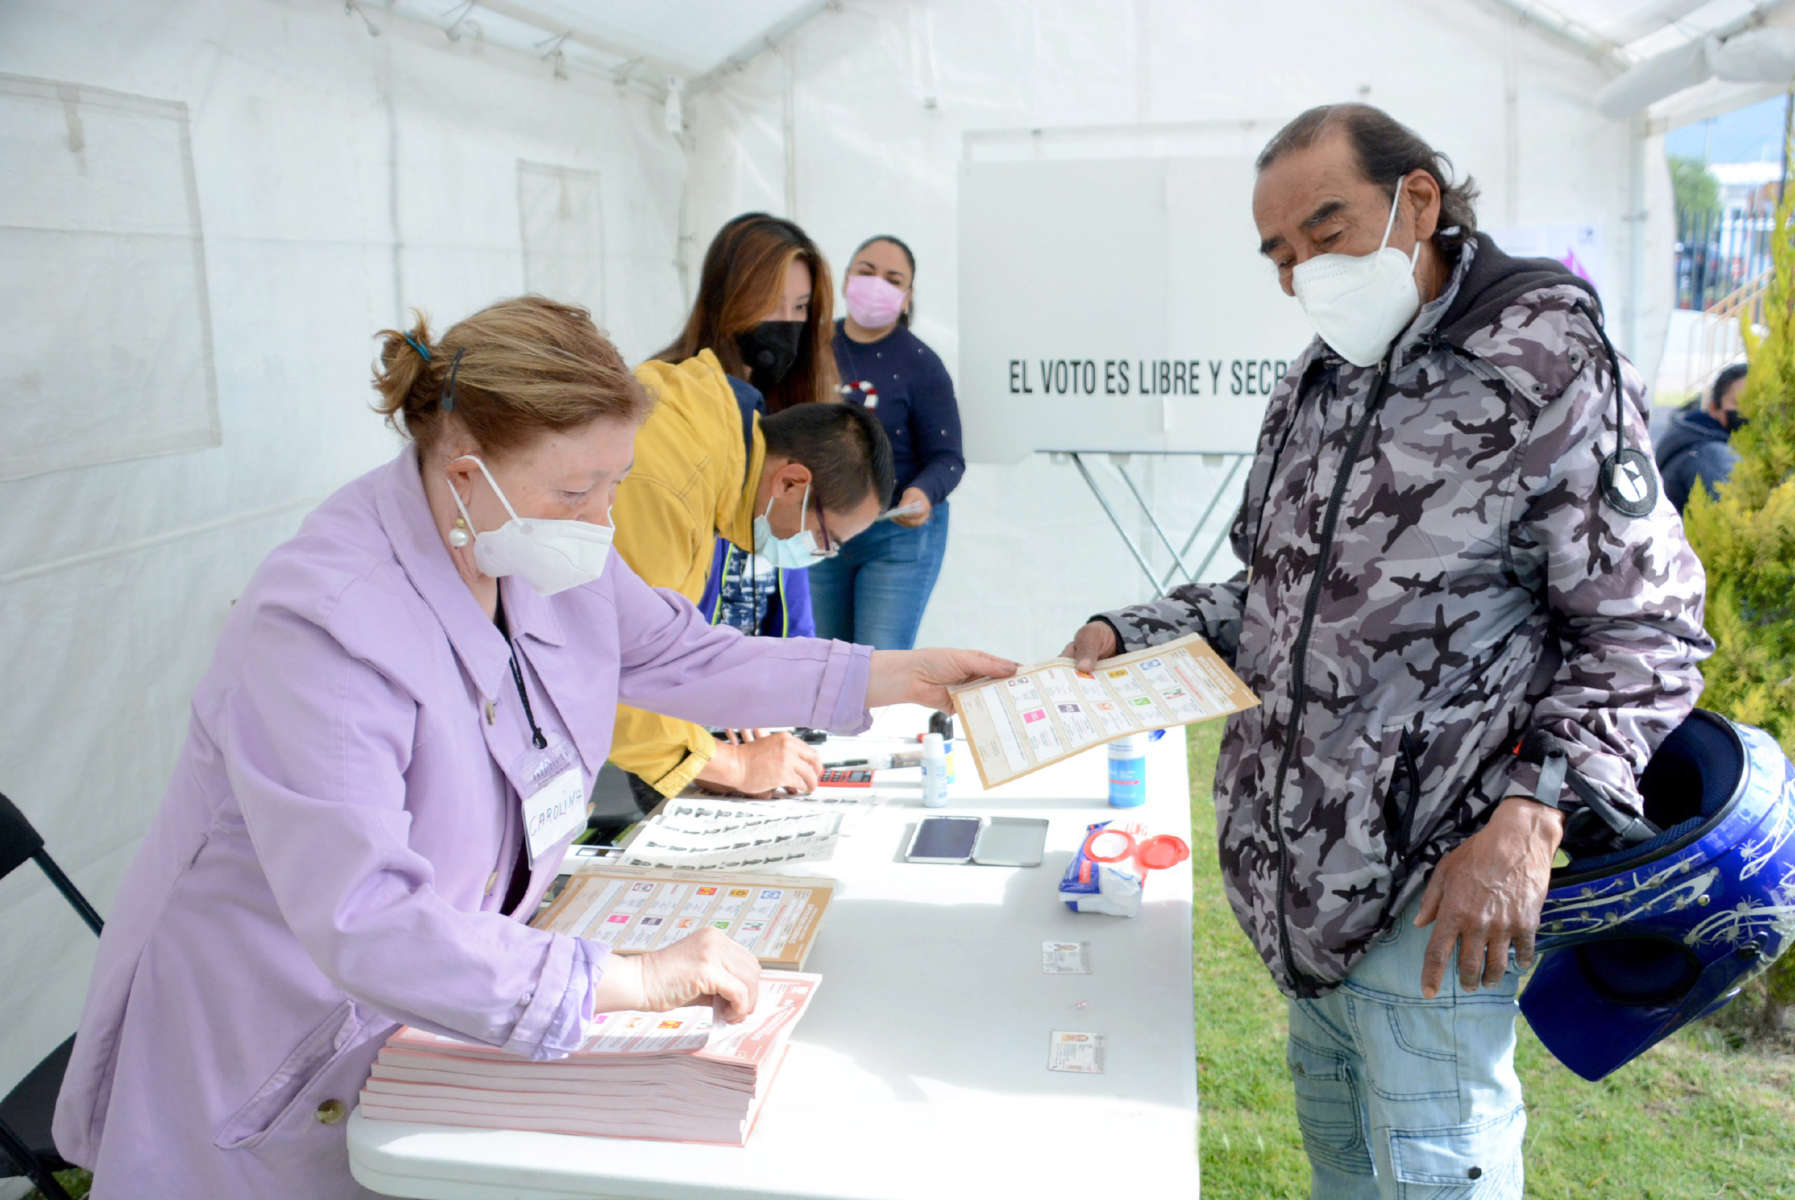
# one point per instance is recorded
(25, 1145)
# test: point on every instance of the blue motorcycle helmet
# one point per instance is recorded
(1652, 924)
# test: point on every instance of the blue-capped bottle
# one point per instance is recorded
(1128, 769)
(934, 772)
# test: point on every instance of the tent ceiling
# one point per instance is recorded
(686, 38)
(1636, 30)
(695, 36)
(693, 39)
(1657, 44)
(1631, 31)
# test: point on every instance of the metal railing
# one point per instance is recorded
(1719, 254)
(1721, 342)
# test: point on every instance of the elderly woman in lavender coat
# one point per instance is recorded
(386, 763)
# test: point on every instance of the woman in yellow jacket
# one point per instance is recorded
(726, 503)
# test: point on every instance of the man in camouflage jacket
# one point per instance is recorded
(1455, 625)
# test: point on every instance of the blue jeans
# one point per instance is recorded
(875, 590)
(1400, 1097)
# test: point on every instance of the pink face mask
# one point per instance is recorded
(872, 302)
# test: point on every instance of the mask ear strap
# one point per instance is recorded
(496, 490)
(465, 515)
(804, 509)
(1390, 225)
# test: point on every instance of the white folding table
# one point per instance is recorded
(920, 1069)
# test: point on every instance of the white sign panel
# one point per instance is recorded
(1116, 305)
(1578, 247)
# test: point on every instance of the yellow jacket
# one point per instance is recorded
(693, 480)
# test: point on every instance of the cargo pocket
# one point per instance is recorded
(286, 1089)
(1327, 1106)
(1460, 1162)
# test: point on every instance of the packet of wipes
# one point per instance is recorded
(1107, 873)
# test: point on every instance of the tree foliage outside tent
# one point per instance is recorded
(1746, 540)
(1697, 194)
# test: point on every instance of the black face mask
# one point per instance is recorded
(770, 349)
(1734, 422)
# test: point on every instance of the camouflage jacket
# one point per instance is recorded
(1442, 608)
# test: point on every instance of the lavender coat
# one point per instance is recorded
(333, 852)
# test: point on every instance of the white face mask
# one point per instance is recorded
(792, 553)
(551, 556)
(1359, 303)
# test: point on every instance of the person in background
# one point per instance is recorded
(1695, 445)
(742, 592)
(763, 310)
(876, 590)
(727, 504)
(387, 762)
(791, 488)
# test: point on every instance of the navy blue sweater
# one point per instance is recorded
(1694, 447)
(908, 389)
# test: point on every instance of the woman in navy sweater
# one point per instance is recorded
(875, 590)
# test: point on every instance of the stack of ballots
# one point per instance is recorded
(674, 1076)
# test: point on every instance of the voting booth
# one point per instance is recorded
(1121, 305)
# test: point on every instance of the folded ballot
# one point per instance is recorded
(673, 1076)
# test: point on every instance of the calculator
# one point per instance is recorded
(846, 777)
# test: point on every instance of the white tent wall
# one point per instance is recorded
(858, 122)
(341, 179)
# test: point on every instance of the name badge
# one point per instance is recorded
(554, 795)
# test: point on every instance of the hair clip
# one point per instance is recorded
(423, 350)
(448, 404)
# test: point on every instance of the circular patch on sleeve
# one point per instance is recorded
(1629, 483)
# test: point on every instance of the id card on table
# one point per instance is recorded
(554, 796)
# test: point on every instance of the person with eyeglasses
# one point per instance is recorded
(728, 504)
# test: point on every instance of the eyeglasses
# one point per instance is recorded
(830, 549)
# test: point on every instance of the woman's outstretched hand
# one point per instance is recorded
(923, 676)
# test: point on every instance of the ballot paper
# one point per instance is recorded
(1079, 1053)
(726, 835)
(1065, 958)
(846, 799)
(680, 1075)
(636, 909)
(1051, 711)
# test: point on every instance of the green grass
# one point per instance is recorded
(1691, 1118)
(76, 1183)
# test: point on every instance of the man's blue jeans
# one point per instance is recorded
(875, 590)
(1400, 1097)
